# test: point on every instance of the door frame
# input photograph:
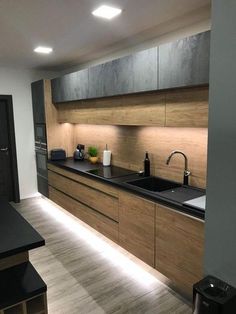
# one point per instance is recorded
(12, 151)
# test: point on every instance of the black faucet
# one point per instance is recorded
(186, 172)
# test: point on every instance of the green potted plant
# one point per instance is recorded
(93, 154)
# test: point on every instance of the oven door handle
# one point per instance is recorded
(5, 149)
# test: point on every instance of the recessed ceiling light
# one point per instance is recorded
(43, 49)
(106, 12)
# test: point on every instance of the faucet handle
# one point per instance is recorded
(187, 173)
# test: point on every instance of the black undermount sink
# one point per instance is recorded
(154, 184)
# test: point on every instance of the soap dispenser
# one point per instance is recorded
(106, 161)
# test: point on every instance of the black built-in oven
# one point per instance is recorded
(42, 171)
(40, 133)
(41, 158)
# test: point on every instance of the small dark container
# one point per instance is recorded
(79, 152)
(146, 165)
(58, 154)
(213, 296)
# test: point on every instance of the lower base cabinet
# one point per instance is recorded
(99, 222)
(162, 237)
(136, 226)
(179, 247)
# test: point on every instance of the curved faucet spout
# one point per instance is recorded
(186, 171)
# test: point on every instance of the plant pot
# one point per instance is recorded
(93, 160)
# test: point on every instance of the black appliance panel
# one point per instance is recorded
(40, 134)
(41, 163)
(42, 171)
(42, 185)
(111, 172)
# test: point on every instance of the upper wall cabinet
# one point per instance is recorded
(73, 86)
(185, 62)
(37, 89)
(130, 74)
(178, 64)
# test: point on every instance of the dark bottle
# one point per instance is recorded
(146, 165)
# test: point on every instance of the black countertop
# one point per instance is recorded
(168, 198)
(16, 234)
(19, 283)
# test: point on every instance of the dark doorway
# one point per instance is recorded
(9, 186)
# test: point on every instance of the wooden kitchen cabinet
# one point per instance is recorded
(102, 202)
(145, 109)
(129, 74)
(93, 218)
(179, 247)
(136, 226)
(185, 62)
(93, 202)
(73, 86)
(187, 108)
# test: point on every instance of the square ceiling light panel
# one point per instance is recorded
(106, 12)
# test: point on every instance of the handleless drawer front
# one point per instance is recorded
(106, 226)
(136, 226)
(100, 201)
(179, 247)
(81, 179)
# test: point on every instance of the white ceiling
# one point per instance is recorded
(77, 36)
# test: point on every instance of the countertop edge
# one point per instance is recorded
(155, 198)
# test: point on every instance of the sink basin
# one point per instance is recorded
(154, 184)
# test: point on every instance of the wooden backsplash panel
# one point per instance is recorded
(181, 109)
(128, 145)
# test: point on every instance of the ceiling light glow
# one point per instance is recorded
(41, 49)
(106, 12)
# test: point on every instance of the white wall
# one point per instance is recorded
(16, 82)
(179, 33)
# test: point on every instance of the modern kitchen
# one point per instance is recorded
(117, 158)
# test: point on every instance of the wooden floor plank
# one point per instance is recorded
(81, 276)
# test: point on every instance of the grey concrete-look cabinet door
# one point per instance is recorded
(101, 80)
(129, 74)
(123, 75)
(73, 86)
(145, 70)
(185, 62)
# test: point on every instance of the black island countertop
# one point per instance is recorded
(17, 235)
(174, 200)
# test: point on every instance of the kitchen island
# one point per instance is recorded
(22, 290)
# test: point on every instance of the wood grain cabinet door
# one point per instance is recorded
(185, 62)
(179, 247)
(136, 226)
(73, 86)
